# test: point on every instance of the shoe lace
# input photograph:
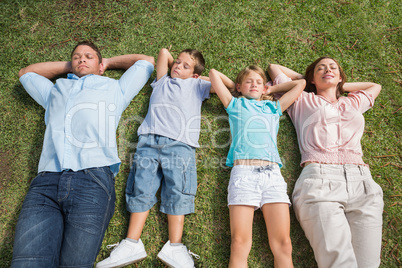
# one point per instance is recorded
(112, 245)
(193, 254)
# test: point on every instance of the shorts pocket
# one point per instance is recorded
(281, 187)
(130, 180)
(243, 182)
(189, 178)
(278, 182)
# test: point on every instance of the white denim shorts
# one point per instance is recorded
(256, 186)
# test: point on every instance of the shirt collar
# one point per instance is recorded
(73, 76)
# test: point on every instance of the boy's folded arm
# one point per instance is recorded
(206, 78)
(164, 62)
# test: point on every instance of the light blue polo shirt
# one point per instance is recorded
(254, 126)
(82, 115)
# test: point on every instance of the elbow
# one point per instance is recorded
(164, 51)
(213, 75)
(213, 78)
(302, 83)
(378, 90)
(22, 72)
(379, 87)
(272, 67)
(269, 68)
(147, 58)
(374, 88)
(151, 60)
(212, 72)
(274, 70)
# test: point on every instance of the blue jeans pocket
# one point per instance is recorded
(104, 177)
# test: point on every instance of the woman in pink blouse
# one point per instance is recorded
(336, 201)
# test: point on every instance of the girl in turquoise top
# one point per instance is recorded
(255, 180)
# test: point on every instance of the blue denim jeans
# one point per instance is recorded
(162, 162)
(63, 219)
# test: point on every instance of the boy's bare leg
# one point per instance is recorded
(175, 223)
(241, 229)
(136, 224)
(277, 220)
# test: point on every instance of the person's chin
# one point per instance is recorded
(253, 97)
(80, 74)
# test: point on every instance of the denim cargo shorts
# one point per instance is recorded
(161, 162)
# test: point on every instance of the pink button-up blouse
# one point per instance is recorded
(330, 133)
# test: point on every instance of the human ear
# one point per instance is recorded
(265, 90)
(195, 76)
(238, 87)
(101, 69)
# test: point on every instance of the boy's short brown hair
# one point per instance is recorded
(199, 61)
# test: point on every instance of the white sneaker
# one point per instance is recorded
(125, 253)
(177, 256)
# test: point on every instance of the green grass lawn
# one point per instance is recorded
(364, 36)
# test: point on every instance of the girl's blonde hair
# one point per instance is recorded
(244, 73)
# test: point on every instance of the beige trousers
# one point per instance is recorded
(340, 210)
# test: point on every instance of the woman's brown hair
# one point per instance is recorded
(309, 76)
